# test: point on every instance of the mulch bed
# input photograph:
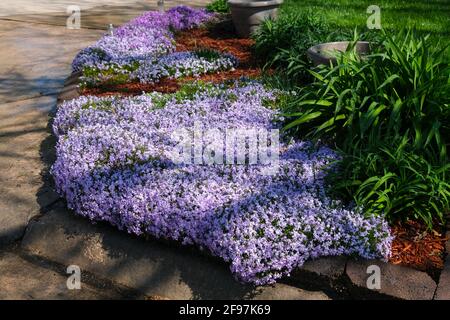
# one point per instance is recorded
(133, 88)
(187, 41)
(417, 247)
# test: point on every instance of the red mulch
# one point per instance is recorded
(416, 246)
(186, 41)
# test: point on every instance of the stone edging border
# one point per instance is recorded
(70, 88)
(344, 277)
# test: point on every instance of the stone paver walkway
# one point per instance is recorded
(39, 237)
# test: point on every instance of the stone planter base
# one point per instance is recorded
(248, 15)
(324, 53)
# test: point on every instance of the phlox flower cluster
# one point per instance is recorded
(113, 164)
(143, 50)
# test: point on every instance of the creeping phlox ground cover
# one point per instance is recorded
(115, 163)
(143, 50)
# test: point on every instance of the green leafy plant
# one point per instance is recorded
(220, 6)
(208, 54)
(282, 43)
(388, 179)
(391, 110)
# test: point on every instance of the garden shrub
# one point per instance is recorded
(114, 164)
(399, 93)
(116, 57)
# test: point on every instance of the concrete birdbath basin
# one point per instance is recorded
(325, 53)
(247, 15)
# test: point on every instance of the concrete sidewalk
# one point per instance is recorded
(42, 7)
(35, 62)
